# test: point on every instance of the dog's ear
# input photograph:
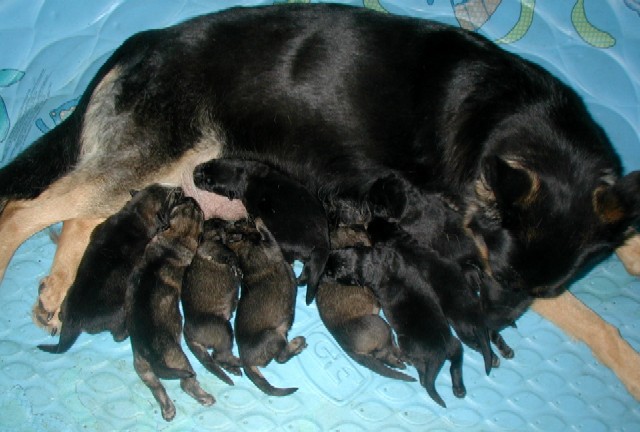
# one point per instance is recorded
(620, 202)
(510, 183)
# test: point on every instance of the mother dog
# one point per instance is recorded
(336, 97)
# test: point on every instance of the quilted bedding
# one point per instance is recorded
(51, 48)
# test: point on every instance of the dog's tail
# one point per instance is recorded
(68, 336)
(313, 270)
(203, 356)
(43, 162)
(482, 336)
(260, 381)
(55, 153)
(428, 381)
(377, 366)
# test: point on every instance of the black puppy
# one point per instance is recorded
(294, 216)
(400, 209)
(95, 301)
(350, 313)
(152, 306)
(405, 291)
(209, 297)
(266, 306)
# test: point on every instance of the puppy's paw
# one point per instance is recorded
(46, 311)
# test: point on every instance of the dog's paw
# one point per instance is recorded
(46, 311)
(629, 254)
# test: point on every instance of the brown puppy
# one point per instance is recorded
(153, 315)
(209, 298)
(267, 304)
(95, 301)
(409, 303)
(351, 314)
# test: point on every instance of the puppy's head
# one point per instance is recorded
(227, 177)
(153, 204)
(345, 265)
(540, 222)
(185, 220)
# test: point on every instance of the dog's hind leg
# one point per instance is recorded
(605, 341)
(629, 254)
(72, 243)
(191, 386)
(143, 368)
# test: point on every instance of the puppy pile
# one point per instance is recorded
(399, 250)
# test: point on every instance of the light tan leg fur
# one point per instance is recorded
(629, 254)
(604, 340)
(71, 246)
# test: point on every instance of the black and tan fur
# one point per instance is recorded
(209, 297)
(335, 96)
(292, 214)
(96, 300)
(351, 314)
(152, 305)
(267, 304)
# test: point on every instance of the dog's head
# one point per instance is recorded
(185, 220)
(153, 204)
(227, 177)
(541, 222)
(346, 265)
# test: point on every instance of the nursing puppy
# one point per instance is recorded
(411, 306)
(350, 313)
(322, 91)
(209, 297)
(402, 211)
(152, 306)
(266, 306)
(294, 216)
(95, 301)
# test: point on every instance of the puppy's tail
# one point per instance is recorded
(313, 270)
(428, 374)
(380, 368)
(68, 336)
(260, 381)
(203, 356)
(482, 336)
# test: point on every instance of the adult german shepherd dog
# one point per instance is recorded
(337, 97)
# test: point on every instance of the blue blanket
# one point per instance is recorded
(51, 48)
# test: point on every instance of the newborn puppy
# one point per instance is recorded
(95, 300)
(350, 313)
(405, 291)
(294, 216)
(209, 298)
(435, 224)
(153, 315)
(266, 306)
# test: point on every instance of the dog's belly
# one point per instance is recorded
(214, 205)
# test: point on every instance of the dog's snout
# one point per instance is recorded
(200, 177)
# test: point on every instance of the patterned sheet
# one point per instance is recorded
(49, 51)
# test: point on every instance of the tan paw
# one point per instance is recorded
(51, 293)
(629, 254)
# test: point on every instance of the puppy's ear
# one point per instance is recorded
(620, 202)
(509, 181)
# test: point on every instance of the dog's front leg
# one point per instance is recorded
(72, 243)
(629, 254)
(605, 341)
